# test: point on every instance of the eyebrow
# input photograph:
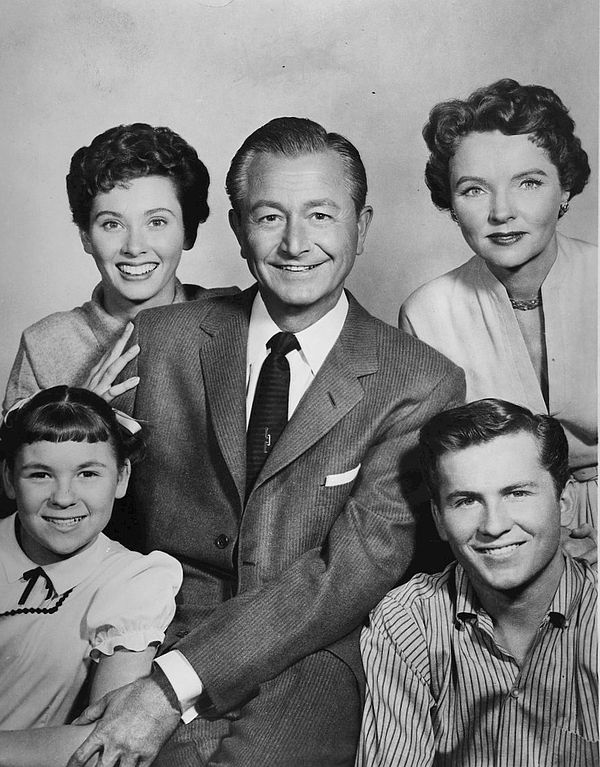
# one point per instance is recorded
(481, 180)
(325, 202)
(45, 466)
(117, 214)
(521, 485)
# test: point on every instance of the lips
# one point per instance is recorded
(296, 268)
(500, 552)
(506, 238)
(136, 270)
(64, 523)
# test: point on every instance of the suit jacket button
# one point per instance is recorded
(222, 541)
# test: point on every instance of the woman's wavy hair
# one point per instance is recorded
(127, 152)
(67, 414)
(512, 109)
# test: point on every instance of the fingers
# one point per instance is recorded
(583, 531)
(92, 713)
(121, 388)
(104, 378)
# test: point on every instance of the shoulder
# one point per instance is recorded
(189, 314)
(421, 593)
(58, 325)
(196, 292)
(580, 259)
(443, 287)
(401, 357)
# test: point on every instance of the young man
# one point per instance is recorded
(493, 661)
(289, 528)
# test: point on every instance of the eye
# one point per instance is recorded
(467, 500)
(270, 218)
(110, 225)
(520, 493)
(157, 223)
(530, 183)
(318, 216)
(88, 474)
(37, 475)
(472, 191)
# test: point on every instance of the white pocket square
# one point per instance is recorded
(342, 479)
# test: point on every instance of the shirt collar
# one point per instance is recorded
(563, 603)
(315, 341)
(64, 575)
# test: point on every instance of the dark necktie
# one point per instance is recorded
(269, 413)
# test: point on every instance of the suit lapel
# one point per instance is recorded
(225, 384)
(335, 390)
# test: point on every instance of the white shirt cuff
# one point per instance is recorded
(184, 681)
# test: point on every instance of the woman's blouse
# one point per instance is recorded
(100, 599)
(466, 314)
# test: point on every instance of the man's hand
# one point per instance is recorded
(581, 543)
(101, 377)
(134, 723)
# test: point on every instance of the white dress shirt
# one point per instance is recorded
(315, 342)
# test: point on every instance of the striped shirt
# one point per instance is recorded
(440, 691)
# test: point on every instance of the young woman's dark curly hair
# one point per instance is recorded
(127, 152)
(512, 109)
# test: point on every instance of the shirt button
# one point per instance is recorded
(515, 692)
(222, 541)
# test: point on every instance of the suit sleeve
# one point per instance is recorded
(327, 591)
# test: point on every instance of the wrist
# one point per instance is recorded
(160, 679)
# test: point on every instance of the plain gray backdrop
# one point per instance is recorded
(214, 71)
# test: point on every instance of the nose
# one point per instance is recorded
(494, 520)
(501, 208)
(134, 243)
(295, 240)
(62, 494)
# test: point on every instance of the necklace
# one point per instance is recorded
(527, 304)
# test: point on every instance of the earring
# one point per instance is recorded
(453, 216)
(564, 207)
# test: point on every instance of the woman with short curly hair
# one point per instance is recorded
(137, 194)
(520, 315)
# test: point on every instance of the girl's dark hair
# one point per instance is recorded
(127, 152)
(66, 414)
(512, 109)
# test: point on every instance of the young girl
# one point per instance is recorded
(80, 615)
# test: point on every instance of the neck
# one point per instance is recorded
(524, 607)
(294, 319)
(525, 281)
(125, 310)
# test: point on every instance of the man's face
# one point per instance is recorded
(300, 233)
(499, 511)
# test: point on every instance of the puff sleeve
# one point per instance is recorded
(135, 605)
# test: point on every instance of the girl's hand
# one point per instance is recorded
(582, 542)
(101, 377)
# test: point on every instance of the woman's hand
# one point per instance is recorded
(101, 377)
(582, 542)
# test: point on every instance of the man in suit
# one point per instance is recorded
(288, 534)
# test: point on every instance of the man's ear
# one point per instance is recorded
(123, 481)
(234, 223)
(439, 522)
(568, 502)
(7, 479)
(363, 223)
(85, 241)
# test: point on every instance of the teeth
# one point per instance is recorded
(69, 522)
(499, 550)
(290, 268)
(136, 270)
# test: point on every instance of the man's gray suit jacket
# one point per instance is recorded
(296, 568)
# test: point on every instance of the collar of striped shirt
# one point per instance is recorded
(565, 600)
